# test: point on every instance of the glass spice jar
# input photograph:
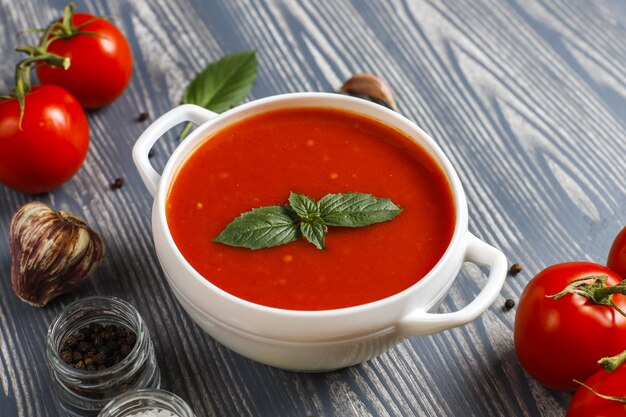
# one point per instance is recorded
(82, 392)
(145, 401)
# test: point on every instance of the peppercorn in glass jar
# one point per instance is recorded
(97, 349)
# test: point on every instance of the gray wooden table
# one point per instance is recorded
(527, 98)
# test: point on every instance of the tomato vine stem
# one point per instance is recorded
(606, 397)
(597, 291)
(611, 363)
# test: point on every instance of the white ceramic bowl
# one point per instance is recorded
(312, 340)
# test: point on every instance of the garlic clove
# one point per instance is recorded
(369, 87)
(51, 252)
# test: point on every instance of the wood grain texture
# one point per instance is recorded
(527, 98)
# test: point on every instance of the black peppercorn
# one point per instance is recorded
(98, 341)
(515, 269)
(113, 345)
(97, 347)
(71, 341)
(66, 356)
(509, 304)
(117, 183)
(95, 327)
(125, 349)
(120, 332)
(84, 347)
(104, 349)
(131, 338)
(143, 116)
(100, 358)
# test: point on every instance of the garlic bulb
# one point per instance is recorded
(51, 252)
(369, 87)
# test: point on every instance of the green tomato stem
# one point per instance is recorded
(612, 363)
(23, 70)
(597, 291)
(66, 24)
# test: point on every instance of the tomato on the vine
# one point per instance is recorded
(101, 62)
(617, 254)
(586, 403)
(559, 339)
(51, 143)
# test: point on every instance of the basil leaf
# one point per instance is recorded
(356, 209)
(314, 231)
(222, 84)
(304, 206)
(277, 225)
(261, 228)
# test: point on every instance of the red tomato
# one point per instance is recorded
(617, 254)
(558, 341)
(100, 65)
(587, 404)
(51, 145)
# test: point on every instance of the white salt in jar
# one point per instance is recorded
(147, 403)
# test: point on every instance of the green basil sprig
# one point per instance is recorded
(270, 226)
(222, 84)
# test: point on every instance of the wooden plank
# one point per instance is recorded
(528, 100)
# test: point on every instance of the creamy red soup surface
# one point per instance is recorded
(315, 151)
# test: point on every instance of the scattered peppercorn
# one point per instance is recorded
(97, 347)
(142, 117)
(151, 153)
(515, 269)
(118, 183)
(509, 304)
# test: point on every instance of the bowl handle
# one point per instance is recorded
(419, 322)
(180, 114)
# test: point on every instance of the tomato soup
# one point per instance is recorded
(258, 161)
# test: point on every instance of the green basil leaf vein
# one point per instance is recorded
(263, 227)
(314, 231)
(304, 206)
(356, 209)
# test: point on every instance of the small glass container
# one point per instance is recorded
(143, 400)
(85, 393)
